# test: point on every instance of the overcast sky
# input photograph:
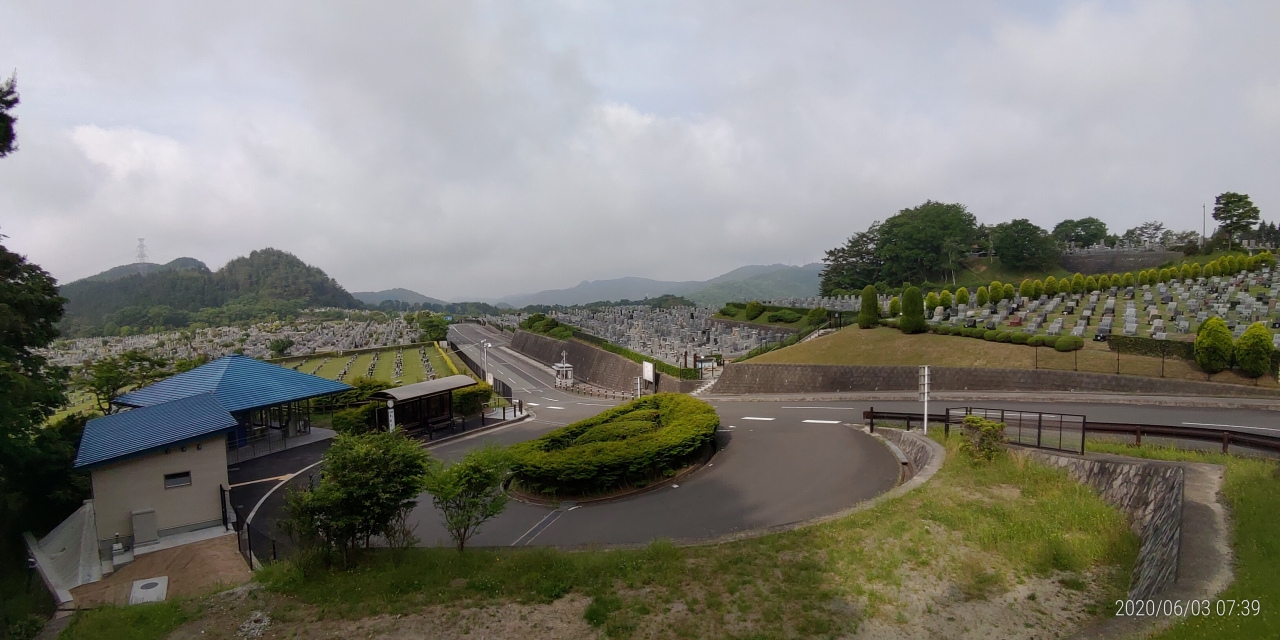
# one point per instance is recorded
(466, 149)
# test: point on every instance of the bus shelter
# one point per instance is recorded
(422, 405)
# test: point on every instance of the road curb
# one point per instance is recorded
(1205, 402)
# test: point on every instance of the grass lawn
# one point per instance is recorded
(981, 271)
(1252, 490)
(412, 365)
(1009, 540)
(888, 346)
(386, 366)
(762, 319)
(138, 622)
(333, 367)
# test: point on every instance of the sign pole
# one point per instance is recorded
(924, 394)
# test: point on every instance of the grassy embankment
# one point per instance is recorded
(1252, 490)
(888, 346)
(978, 539)
(763, 319)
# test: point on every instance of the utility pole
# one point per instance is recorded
(924, 394)
(1204, 224)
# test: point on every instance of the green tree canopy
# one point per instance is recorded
(468, 493)
(1022, 245)
(854, 264)
(913, 244)
(1083, 232)
(8, 100)
(434, 328)
(30, 388)
(1235, 214)
(108, 378)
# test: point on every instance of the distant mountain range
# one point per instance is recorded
(374, 298)
(752, 282)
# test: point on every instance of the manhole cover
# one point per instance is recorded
(150, 585)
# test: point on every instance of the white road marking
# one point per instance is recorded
(549, 399)
(822, 421)
(592, 404)
(533, 404)
(764, 419)
(561, 408)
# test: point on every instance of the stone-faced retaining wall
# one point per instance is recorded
(1150, 493)
(916, 451)
(593, 364)
(1117, 261)
(754, 325)
(747, 379)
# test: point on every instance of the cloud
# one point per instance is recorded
(480, 149)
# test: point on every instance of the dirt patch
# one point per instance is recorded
(253, 612)
(193, 570)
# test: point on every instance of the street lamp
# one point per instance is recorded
(486, 346)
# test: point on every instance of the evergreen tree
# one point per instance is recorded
(869, 313)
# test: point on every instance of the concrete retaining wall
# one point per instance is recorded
(754, 325)
(1117, 262)
(748, 379)
(1150, 493)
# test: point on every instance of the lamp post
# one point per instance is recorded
(486, 346)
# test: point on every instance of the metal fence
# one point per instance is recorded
(1056, 431)
(259, 547)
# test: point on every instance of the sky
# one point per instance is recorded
(471, 150)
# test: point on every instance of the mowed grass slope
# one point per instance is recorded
(888, 346)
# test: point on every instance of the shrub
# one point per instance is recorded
(816, 316)
(1051, 286)
(912, 312)
(990, 335)
(1004, 336)
(754, 309)
(1077, 283)
(869, 313)
(567, 462)
(1068, 343)
(1020, 338)
(1127, 280)
(994, 291)
(728, 311)
(981, 438)
(785, 315)
(1051, 341)
(469, 401)
(1035, 341)
(561, 332)
(355, 420)
(895, 307)
(1213, 345)
(1006, 294)
(982, 297)
(1090, 284)
(946, 300)
(931, 302)
(1253, 350)
(1027, 289)
(962, 296)
(1195, 271)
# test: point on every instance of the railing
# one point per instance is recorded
(1068, 432)
(259, 547)
(273, 441)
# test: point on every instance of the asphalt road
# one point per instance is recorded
(779, 461)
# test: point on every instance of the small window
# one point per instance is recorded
(172, 480)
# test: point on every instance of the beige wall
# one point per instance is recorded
(133, 484)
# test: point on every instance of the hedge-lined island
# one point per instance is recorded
(628, 447)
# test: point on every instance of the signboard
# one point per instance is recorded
(488, 378)
(648, 372)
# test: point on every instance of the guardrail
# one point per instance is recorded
(1026, 434)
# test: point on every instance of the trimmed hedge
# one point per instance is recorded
(786, 315)
(869, 313)
(912, 311)
(631, 444)
(1138, 345)
(754, 309)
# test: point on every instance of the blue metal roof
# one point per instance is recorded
(138, 431)
(239, 383)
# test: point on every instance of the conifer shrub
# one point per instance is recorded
(1090, 284)
(1213, 346)
(754, 309)
(895, 307)
(869, 313)
(1253, 350)
(962, 296)
(1077, 283)
(1007, 294)
(632, 444)
(946, 300)
(982, 296)
(912, 311)
(784, 315)
(931, 302)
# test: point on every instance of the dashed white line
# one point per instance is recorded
(561, 408)
(1234, 426)
(763, 419)
(822, 421)
(834, 408)
(533, 404)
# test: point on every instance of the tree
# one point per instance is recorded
(1145, 233)
(1213, 348)
(1022, 245)
(933, 301)
(962, 296)
(1235, 213)
(30, 388)
(469, 401)
(434, 328)
(895, 307)
(869, 312)
(946, 300)
(468, 493)
(370, 482)
(854, 265)
(1084, 232)
(1253, 350)
(911, 243)
(1027, 289)
(1077, 283)
(983, 297)
(108, 378)
(912, 312)
(280, 346)
(8, 100)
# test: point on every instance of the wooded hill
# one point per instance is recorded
(266, 283)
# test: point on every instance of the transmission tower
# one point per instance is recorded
(142, 249)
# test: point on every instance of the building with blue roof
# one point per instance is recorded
(262, 396)
(158, 467)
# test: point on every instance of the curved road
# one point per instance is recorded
(779, 462)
